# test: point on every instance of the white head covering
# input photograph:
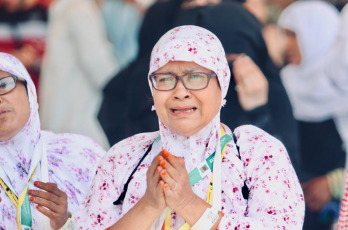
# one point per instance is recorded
(194, 44)
(18, 152)
(316, 25)
(337, 68)
(71, 159)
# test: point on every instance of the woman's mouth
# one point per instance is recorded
(3, 112)
(182, 111)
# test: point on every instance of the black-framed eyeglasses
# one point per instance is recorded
(191, 81)
(7, 84)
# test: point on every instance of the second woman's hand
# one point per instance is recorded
(52, 202)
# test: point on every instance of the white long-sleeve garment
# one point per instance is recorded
(275, 198)
(77, 64)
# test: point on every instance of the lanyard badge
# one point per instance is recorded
(24, 217)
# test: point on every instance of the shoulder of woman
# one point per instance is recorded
(70, 142)
(134, 145)
(256, 141)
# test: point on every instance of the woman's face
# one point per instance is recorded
(184, 111)
(14, 110)
(292, 49)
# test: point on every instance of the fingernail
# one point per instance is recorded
(166, 153)
(31, 199)
(165, 187)
(36, 183)
(161, 183)
(38, 207)
(30, 192)
(159, 169)
(163, 163)
(164, 173)
(159, 158)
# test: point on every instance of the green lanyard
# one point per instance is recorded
(24, 217)
(207, 166)
(197, 174)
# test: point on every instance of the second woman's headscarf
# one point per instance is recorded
(311, 93)
(18, 153)
(198, 45)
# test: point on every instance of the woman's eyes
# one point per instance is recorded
(3, 85)
(196, 76)
(165, 79)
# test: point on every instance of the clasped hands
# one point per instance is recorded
(168, 184)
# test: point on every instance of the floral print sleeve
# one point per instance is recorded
(275, 199)
(98, 211)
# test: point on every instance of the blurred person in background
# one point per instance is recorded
(123, 19)
(23, 28)
(78, 62)
(311, 28)
(338, 72)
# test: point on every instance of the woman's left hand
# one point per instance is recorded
(177, 189)
(52, 202)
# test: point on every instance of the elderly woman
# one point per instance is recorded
(43, 176)
(191, 173)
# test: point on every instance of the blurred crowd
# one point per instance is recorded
(288, 59)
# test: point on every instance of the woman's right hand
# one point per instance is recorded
(154, 195)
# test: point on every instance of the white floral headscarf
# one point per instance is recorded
(192, 44)
(198, 45)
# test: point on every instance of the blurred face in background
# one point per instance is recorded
(292, 52)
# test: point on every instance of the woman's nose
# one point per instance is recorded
(180, 92)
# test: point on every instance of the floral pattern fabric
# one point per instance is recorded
(72, 159)
(275, 198)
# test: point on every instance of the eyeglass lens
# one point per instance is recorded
(7, 84)
(191, 81)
